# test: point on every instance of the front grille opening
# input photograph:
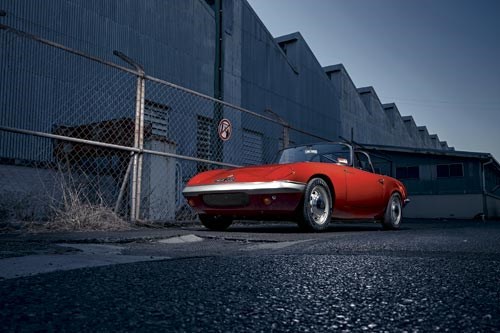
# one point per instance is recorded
(226, 200)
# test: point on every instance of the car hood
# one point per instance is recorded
(262, 173)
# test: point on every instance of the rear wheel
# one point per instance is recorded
(216, 222)
(393, 213)
(317, 208)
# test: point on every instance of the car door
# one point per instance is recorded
(365, 189)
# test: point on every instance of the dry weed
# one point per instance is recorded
(78, 213)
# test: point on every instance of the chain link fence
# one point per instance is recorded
(78, 133)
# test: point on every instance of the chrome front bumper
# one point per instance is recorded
(281, 186)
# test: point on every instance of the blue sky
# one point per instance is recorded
(438, 60)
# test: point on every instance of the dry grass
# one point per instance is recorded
(74, 213)
(78, 213)
(71, 205)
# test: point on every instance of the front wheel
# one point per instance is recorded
(393, 213)
(217, 223)
(317, 208)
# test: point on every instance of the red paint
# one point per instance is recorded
(357, 194)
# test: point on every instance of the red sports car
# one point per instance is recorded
(310, 184)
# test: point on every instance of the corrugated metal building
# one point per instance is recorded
(443, 184)
(221, 48)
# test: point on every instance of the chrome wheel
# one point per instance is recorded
(319, 205)
(395, 210)
(393, 213)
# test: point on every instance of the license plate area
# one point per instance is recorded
(226, 199)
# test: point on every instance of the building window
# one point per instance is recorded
(412, 172)
(450, 170)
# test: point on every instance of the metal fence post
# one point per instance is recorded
(135, 203)
(138, 158)
(141, 148)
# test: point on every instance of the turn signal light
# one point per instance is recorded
(191, 202)
(268, 200)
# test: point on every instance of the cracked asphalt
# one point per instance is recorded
(430, 276)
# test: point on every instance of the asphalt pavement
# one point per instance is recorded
(429, 276)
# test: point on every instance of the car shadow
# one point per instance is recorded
(292, 228)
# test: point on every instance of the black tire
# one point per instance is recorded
(393, 213)
(216, 222)
(317, 206)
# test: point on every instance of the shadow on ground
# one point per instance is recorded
(292, 228)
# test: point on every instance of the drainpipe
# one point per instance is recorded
(216, 143)
(483, 174)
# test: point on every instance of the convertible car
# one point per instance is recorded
(309, 184)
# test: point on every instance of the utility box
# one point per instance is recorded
(158, 182)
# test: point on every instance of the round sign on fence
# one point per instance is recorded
(225, 128)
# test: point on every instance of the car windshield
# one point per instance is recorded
(325, 152)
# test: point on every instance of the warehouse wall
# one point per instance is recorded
(435, 195)
(413, 132)
(354, 116)
(493, 205)
(429, 182)
(283, 75)
(465, 206)
(371, 121)
(400, 135)
(173, 40)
